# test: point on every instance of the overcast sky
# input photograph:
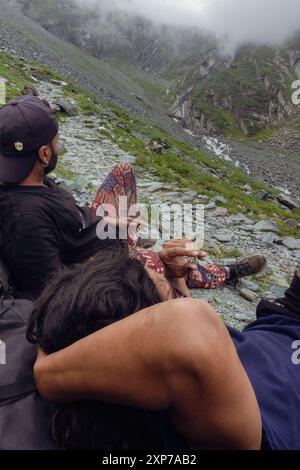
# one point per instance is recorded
(243, 20)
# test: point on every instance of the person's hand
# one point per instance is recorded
(174, 256)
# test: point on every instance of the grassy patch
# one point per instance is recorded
(190, 168)
(18, 74)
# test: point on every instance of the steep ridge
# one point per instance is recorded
(31, 41)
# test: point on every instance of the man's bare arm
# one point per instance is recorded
(175, 356)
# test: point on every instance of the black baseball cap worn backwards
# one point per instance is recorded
(26, 124)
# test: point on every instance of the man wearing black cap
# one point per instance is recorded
(41, 227)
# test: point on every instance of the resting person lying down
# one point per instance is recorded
(215, 387)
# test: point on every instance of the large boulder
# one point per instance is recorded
(66, 107)
(291, 243)
(265, 226)
(287, 202)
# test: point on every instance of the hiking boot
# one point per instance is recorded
(247, 267)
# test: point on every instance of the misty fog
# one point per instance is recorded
(262, 21)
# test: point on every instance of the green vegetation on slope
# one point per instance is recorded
(244, 91)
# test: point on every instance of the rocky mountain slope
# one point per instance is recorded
(251, 94)
(115, 34)
(129, 89)
(206, 90)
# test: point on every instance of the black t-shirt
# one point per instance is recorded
(42, 229)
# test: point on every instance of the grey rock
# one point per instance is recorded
(265, 226)
(209, 206)
(287, 202)
(219, 199)
(66, 107)
(275, 293)
(277, 239)
(247, 188)
(219, 212)
(223, 237)
(246, 228)
(244, 317)
(238, 219)
(268, 239)
(57, 82)
(30, 90)
(263, 195)
(250, 285)
(153, 187)
(191, 194)
(156, 147)
(291, 223)
(249, 295)
(291, 243)
(280, 280)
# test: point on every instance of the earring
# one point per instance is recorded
(45, 164)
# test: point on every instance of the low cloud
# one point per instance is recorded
(261, 21)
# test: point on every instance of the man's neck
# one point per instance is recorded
(33, 181)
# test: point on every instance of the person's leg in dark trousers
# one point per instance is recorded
(289, 305)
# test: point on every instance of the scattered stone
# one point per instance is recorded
(291, 243)
(275, 293)
(219, 212)
(249, 295)
(66, 107)
(55, 108)
(244, 317)
(265, 226)
(30, 90)
(263, 195)
(268, 239)
(191, 194)
(156, 147)
(210, 205)
(277, 239)
(154, 186)
(238, 219)
(287, 202)
(246, 228)
(291, 223)
(250, 285)
(212, 245)
(219, 199)
(247, 188)
(280, 281)
(223, 237)
(58, 82)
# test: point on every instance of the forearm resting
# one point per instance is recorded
(129, 362)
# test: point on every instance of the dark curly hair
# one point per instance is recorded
(79, 301)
